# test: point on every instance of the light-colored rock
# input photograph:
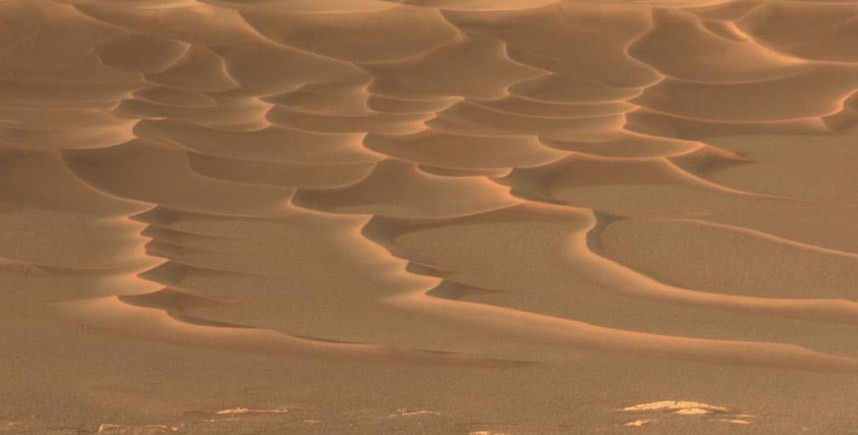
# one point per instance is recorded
(242, 411)
(677, 406)
(109, 428)
(638, 423)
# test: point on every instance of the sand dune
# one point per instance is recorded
(428, 216)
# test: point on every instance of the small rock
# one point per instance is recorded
(678, 406)
(242, 410)
(638, 423)
(109, 428)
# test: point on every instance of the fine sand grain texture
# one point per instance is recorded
(473, 217)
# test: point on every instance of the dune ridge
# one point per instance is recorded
(195, 105)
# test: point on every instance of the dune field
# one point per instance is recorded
(473, 217)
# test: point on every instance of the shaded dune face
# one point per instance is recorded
(481, 182)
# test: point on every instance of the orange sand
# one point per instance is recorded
(428, 216)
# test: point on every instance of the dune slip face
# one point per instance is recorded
(428, 216)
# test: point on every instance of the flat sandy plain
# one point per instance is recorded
(428, 216)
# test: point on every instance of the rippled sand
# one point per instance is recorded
(428, 216)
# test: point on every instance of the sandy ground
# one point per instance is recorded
(428, 216)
